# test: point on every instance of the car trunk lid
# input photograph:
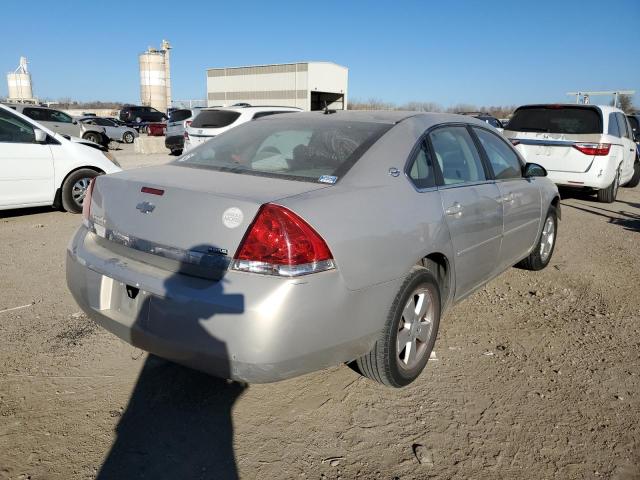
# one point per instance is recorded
(176, 216)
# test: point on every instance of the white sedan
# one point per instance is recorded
(39, 167)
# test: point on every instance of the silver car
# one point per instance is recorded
(301, 241)
(113, 130)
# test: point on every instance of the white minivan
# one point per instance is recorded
(583, 146)
(40, 167)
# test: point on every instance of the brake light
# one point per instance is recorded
(279, 242)
(597, 149)
(514, 141)
(86, 203)
(187, 123)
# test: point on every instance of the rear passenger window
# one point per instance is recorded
(421, 171)
(613, 125)
(457, 155)
(503, 159)
(622, 124)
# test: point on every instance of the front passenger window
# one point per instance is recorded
(15, 130)
(457, 155)
(503, 159)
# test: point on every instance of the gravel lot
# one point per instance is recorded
(536, 376)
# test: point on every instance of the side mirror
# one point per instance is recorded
(534, 170)
(41, 135)
(75, 122)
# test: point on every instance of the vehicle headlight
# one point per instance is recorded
(112, 159)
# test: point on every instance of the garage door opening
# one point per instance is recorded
(333, 101)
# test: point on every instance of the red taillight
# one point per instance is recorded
(86, 203)
(187, 123)
(279, 242)
(598, 149)
(186, 135)
(514, 141)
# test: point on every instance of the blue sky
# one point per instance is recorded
(450, 52)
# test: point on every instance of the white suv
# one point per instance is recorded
(41, 167)
(214, 121)
(579, 145)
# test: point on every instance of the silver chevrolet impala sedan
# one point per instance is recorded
(301, 241)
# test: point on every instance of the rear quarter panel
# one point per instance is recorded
(378, 226)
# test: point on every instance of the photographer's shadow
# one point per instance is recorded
(178, 421)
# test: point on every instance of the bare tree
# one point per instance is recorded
(625, 103)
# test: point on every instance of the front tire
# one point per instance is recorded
(128, 137)
(609, 194)
(74, 189)
(543, 251)
(406, 342)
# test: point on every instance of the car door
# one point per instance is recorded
(26, 167)
(629, 148)
(471, 204)
(521, 198)
(113, 132)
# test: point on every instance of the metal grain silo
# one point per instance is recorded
(19, 83)
(155, 79)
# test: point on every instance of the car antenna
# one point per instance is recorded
(326, 109)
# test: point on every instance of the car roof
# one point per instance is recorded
(383, 116)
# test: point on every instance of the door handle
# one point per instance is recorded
(454, 210)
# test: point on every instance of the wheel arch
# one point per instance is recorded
(442, 269)
(555, 203)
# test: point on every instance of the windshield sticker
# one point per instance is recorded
(328, 179)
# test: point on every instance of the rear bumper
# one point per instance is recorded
(599, 175)
(247, 327)
(174, 142)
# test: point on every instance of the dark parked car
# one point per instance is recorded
(485, 117)
(137, 114)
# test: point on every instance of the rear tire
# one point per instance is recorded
(128, 137)
(635, 180)
(176, 152)
(543, 251)
(609, 194)
(74, 189)
(391, 362)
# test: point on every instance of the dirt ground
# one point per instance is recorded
(537, 376)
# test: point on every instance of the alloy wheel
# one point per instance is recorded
(547, 238)
(415, 328)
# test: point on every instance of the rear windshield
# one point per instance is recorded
(215, 118)
(317, 150)
(576, 120)
(179, 115)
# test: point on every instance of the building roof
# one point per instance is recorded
(275, 64)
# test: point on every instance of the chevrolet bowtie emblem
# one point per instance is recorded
(145, 207)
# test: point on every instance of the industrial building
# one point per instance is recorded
(19, 83)
(155, 77)
(306, 85)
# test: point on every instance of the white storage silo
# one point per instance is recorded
(155, 81)
(19, 83)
